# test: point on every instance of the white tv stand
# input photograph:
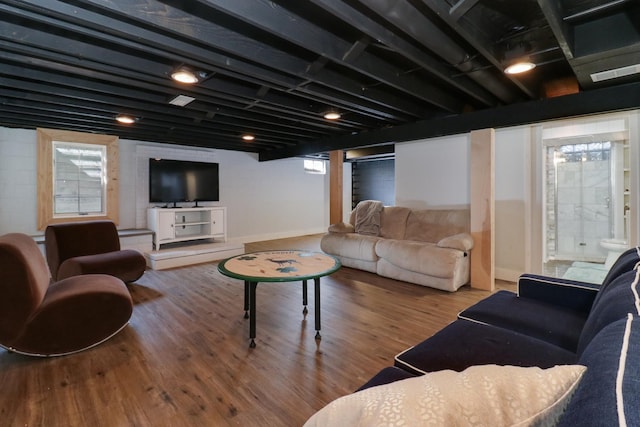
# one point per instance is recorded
(170, 225)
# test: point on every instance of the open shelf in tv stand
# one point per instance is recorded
(170, 225)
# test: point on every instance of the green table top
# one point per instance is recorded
(279, 266)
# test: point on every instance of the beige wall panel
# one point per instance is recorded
(483, 209)
(335, 186)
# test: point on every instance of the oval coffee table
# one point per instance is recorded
(279, 266)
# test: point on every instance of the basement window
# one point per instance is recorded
(80, 175)
(77, 177)
(315, 166)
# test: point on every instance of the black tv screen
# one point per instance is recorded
(172, 181)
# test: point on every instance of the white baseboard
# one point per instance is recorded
(508, 274)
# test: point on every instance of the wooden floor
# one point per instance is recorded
(184, 359)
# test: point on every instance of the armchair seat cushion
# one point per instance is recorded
(127, 265)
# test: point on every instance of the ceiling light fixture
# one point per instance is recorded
(126, 119)
(332, 115)
(520, 67)
(248, 137)
(185, 75)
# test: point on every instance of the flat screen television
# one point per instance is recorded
(174, 181)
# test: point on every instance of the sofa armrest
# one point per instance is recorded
(461, 241)
(341, 227)
(572, 294)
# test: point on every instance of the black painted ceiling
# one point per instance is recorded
(272, 68)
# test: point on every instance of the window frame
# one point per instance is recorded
(313, 170)
(46, 170)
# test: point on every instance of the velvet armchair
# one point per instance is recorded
(43, 318)
(90, 247)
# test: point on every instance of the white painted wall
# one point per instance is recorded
(264, 200)
(18, 181)
(433, 173)
(512, 204)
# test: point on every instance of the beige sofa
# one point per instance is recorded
(425, 247)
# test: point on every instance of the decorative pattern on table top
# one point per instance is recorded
(280, 264)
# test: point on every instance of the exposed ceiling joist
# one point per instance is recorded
(273, 68)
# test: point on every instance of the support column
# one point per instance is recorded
(482, 175)
(335, 186)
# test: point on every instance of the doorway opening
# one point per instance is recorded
(586, 205)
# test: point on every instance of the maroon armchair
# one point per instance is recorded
(90, 247)
(43, 318)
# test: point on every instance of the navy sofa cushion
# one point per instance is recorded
(552, 323)
(465, 343)
(609, 391)
(611, 304)
(627, 261)
(566, 293)
(386, 376)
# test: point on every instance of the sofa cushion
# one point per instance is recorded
(393, 222)
(625, 262)
(464, 343)
(350, 245)
(430, 225)
(567, 293)
(614, 302)
(554, 324)
(481, 395)
(420, 257)
(608, 392)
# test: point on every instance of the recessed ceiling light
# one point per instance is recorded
(185, 75)
(248, 137)
(126, 119)
(520, 67)
(181, 100)
(332, 115)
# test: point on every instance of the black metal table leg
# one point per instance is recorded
(246, 299)
(304, 297)
(316, 283)
(252, 312)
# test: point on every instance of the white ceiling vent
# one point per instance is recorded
(615, 73)
(181, 100)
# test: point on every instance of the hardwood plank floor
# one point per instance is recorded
(184, 359)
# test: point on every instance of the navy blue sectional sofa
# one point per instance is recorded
(550, 322)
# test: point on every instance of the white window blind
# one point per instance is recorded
(80, 178)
